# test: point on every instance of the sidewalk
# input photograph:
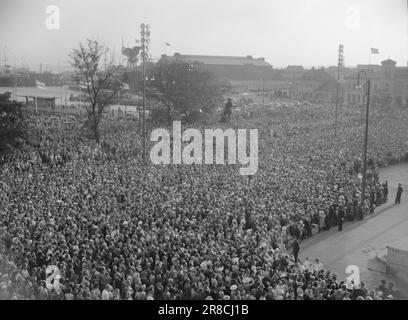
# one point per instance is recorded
(359, 242)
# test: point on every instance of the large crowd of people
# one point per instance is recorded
(101, 225)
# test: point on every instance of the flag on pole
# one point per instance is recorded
(39, 85)
(375, 51)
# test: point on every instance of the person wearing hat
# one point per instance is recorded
(317, 266)
(340, 217)
(307, 264)
(399, 194)
(379, 295)
(105, 292)
(392, 291)
(226, 116)
(359, 291)
(296, 249)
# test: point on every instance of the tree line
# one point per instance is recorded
(180, 87)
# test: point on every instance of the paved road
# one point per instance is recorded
(358, 243)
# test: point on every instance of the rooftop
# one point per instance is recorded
(223, 60)
(295, 68)
(317, 75)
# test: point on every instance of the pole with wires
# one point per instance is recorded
(145, 39)
(340, 65)
(368, 89)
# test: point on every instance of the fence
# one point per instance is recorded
(397, 256)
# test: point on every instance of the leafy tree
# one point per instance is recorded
(398, 102)
(383, 100)
(101, 83)
(183, 87)
(12, 124)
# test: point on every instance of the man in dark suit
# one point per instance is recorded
(340, 218)
(228, 111)
(399, 193)
(385, 190)
(359, 212)
(296, 249)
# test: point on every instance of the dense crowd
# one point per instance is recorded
(118, 230)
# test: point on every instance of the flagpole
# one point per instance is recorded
(59, 74)
(14, 89)
(369, 59)
(36, 108)
(166, 44)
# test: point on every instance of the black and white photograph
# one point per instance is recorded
(197, 150)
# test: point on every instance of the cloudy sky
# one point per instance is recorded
(305, 32)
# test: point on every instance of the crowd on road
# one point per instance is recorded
(101, 225)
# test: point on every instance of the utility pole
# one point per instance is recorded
(263, 92)
(5, 57)
(340, 64)
(145, 33)
(368, 84)
(59, 75)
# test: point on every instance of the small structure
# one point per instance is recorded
(41, 102)
(395, 259)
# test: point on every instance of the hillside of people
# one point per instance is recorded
(119, 230)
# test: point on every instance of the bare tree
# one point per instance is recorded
(100, 82)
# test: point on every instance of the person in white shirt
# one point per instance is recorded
(307, 264)
(317, 265)
(105, 293)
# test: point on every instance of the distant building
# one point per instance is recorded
(243, 73)
(315, 85)
(292, 73)
(386, 80)
(327, 92)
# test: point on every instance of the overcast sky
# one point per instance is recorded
(305, 32)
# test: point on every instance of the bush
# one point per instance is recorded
(159, 116)
(199, 117)
(12, 124)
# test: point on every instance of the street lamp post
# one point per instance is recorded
(368, 84)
